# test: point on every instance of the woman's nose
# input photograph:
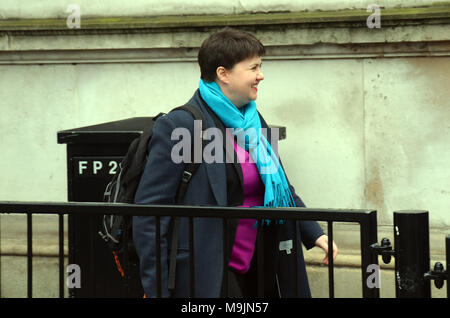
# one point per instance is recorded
(260, 76)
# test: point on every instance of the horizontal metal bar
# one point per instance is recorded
(90, 208)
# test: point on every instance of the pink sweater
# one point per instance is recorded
(244, 244)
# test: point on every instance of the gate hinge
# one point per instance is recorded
(438, 275)
(385, 250)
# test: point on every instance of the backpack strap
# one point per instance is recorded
(136, 163)
(190, 167)
(189, 171)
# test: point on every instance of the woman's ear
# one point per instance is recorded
(222, 74)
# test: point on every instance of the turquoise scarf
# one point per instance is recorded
(247, 129)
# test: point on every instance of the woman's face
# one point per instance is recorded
(240, 83)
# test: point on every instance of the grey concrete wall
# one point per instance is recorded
(45, 277)
(373, 136)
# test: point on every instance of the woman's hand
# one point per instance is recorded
(322, 242)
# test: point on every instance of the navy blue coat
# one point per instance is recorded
(208, 186)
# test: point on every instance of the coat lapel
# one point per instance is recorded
(216, 172)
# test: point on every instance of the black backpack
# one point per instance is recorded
(117, 229)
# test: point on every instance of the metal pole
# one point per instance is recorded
(260, 257)
(412, 254)
(447, 252)
(29, 255)
(225, 258)
(330, 260)
(158, 258)
(369, 236)
(61, 255)
(191, 258)
(0, 256)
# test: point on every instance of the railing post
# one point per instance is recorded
(158, 258)
(260, 257)
(447, 252)
(369, 236)
(412, 254)
(225, 258)
(330, 260)
(0, 255)
(191, 258)
(29, 255)
(61, 254)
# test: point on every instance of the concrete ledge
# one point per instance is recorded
(348, 284)
(13, 240)
(291, 52)
(390, 16)
(45, 277)
(404, 32)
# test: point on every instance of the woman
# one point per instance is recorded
(230, 63)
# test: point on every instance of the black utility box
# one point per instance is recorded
(93, 156)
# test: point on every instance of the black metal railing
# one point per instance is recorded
(412, 256)
(367, 220)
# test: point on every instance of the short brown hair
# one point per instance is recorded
(226, 48)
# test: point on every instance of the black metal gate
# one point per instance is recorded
(412, 256)
(412, 251)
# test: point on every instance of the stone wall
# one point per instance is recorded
(366, 109)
